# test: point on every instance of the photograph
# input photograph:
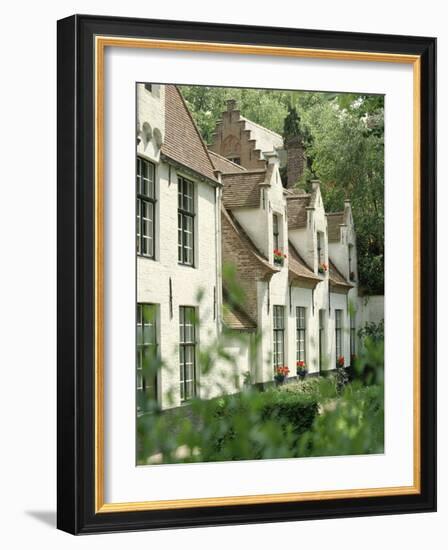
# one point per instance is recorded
(260, 259)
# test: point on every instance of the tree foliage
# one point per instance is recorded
(344, 138)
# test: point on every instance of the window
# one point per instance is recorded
(352, 336)
(279, 336)
(321, 337)
(187, 352)
(236, 160)
(146, 352)
(320, 258)
(351, 271)
(338, 332)
(148, 87)
(185, 222)
(146, 204)
(275, 231)
(300, 333)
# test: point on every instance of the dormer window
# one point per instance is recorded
(275, 231)
(235, 160)
(279, 255)
(351, 271)
(320, 253)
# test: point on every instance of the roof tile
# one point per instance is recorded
(236, 319)
(335, 219)
(297, 214)
(183, 142)
(336, 277)
(242, 189)
(224, 165)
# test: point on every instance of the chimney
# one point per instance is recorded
(296, 160)
(272, 158)
(347, 209)
(315, 185)
(231, 104)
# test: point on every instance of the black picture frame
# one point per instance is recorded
(76, 255)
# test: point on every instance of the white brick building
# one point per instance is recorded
(197, 211)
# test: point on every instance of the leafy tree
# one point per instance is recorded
(344, 139)
(291, 126)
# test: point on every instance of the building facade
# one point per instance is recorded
(202, 212)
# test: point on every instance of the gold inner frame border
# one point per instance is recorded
(101, 42)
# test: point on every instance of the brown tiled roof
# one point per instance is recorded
(183, 142)
(297, 214)
(224, 165)
(236, 319)
(335, 219)
(242, 189)
(337, 279)
(298, 269)
(243, 238)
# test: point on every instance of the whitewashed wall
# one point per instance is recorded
(153, 275)
(370, 310)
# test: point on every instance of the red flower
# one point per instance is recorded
(341, 361)
(283, 371)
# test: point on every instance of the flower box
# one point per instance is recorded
(301, 369)
(280, 374)
(279, 257)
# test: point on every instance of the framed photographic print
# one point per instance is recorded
(246, 274)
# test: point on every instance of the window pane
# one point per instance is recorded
(179, 193)
(187, 352)
(278, 337)
(138, 225)
(275, 230)
(146, 350)
(145, 208)
(185, 223)
(139, 171)
(188, 196)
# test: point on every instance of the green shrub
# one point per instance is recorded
(355, 425)
(321, 389)
(254, 425)
(297, 409)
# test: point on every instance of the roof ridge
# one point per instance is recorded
(262, 127)
(241, 168)
(254, 171)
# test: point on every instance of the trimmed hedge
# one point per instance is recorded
(295, 409)
(255, 425)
